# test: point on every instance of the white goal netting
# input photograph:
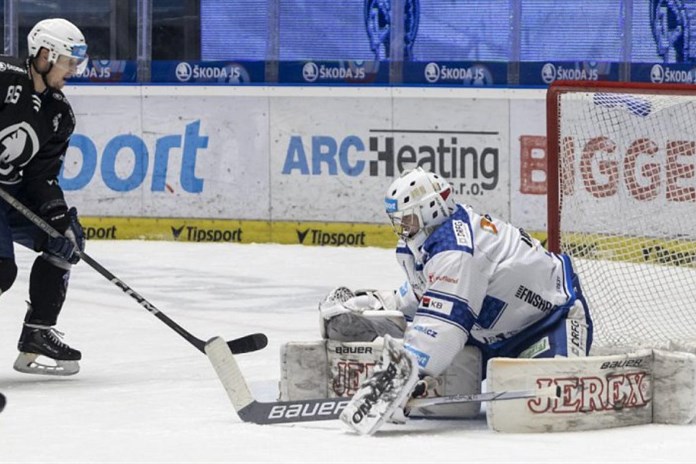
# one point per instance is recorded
(627, 181)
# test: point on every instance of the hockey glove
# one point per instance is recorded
(66, 247)
(360, 316)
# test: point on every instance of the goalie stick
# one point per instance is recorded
(283, 412)
(248, 343)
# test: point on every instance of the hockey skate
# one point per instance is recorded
(44, 341)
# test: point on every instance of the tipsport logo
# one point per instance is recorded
(323, 238)
(94, 161)
(199, 234)
(101, 233)
(378, 16)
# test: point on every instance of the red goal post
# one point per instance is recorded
(622, 202)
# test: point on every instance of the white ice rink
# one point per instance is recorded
(145, 395)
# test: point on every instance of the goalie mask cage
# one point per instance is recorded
(622, 204)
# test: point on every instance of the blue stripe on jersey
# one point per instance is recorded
(447, 307)
(568, 278)
(491, 309)
(455, 233)
(403, 249)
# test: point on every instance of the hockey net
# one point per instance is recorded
(622, 203)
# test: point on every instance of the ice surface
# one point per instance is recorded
(145, 395)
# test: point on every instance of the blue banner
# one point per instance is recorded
(333, 72)
(108, 71)
(543, 73)
(209, 72)
(466, 73)
(662, 73)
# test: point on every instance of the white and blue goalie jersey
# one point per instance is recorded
(481, 281)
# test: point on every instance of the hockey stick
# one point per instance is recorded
(248, 343)
(283, 412)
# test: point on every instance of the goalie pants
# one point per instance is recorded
(566, 332)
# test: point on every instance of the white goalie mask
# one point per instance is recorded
(61, 38)
(418, 202)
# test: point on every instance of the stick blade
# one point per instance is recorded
(248, 343)
(228, 372)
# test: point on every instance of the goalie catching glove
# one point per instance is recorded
(362, 315)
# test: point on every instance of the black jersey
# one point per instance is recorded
(35, 129)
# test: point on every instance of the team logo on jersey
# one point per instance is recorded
(19, 143)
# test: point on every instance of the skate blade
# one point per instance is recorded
(28, 364)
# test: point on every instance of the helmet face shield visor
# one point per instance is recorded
(406, 223)
(80, 58)
(76, 63)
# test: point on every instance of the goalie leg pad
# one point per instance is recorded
(674, 389)
(304, 370)
(597, 392)
(330, 369)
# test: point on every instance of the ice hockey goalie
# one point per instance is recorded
(353, 326)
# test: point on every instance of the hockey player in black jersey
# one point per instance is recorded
(36, 122)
